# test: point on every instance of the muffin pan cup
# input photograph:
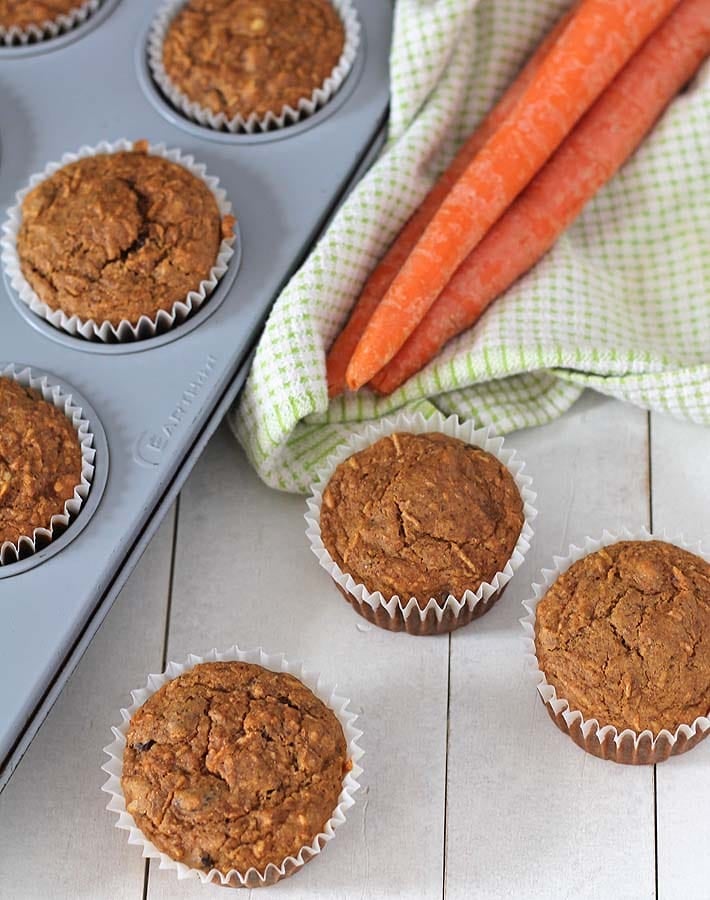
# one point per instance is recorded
(28, 544)
(146, 327)
(435, 617)
(606, 741)
(253, 124)
(51, 28)
(252, 877)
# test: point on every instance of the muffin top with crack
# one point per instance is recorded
(244, 57)
(233, 766)
(40, 461)
(23, 13)
(624, 636)
(421, 515)
(118, 236)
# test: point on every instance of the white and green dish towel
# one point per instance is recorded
(621, 304)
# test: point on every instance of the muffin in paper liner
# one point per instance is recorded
(125, 331)
(252, 877)
(396, 614)
(253, 124)
(26, 545)
(606, 741)
(50, 28)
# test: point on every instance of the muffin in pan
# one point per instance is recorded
(40, 461)
(46, 462)
(117, 236)
(23, 13)
(421, 529)
(622, 640)
(246, 65)
(23, 21)
(118, 242)
(233, 769)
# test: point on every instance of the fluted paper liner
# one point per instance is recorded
(435, 617)
(50, 28)
(606, 741)
(252, 877)
(26, 545)
(251, 124)
(145, 327)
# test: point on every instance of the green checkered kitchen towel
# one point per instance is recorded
(621, 304)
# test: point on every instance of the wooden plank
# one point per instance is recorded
(681, 487)
(530, 814)
(56, 838)
(244, 574)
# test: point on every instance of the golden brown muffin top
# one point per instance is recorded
(23, 13)
(624, 636)
(421, 515)
(40, 461)
(240, 57)
(118, 235)
(231, 766)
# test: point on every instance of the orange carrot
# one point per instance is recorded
(593, 152)
(598, 41)
(383, 275)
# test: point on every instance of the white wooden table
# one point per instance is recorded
(470, 790)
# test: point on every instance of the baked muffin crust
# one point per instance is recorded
(40, 461)
(118, 235)
(23, 13)
(421, 515)
(231, 766)
(624, 636)
(240, 57)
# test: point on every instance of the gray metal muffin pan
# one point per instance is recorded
(158, 401)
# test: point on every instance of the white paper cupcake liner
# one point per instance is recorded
(252, 877)
(398, 614)
(145, 327)
(253, 123)
(26, 545)
(51, 28)
(605, 741)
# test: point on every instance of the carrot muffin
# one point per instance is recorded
(240, 57)
(232, 766)
(40, 461)
(119, 236)
(24, 13)
(624, 636)
(421, 515)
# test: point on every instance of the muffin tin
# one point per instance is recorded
(153, 403)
